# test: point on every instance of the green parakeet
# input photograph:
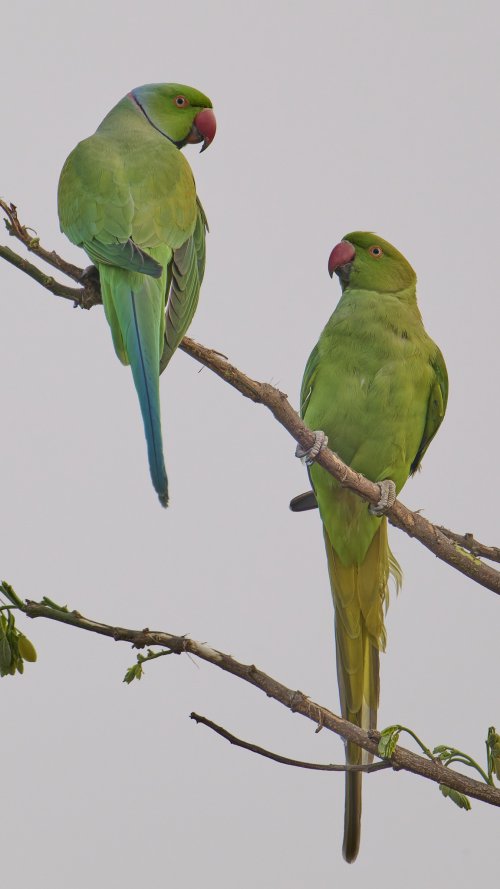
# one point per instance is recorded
(128, 197)
(376, 384)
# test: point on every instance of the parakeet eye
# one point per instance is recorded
(375, 251)
(181, 101)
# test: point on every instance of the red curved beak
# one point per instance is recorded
(342, 254)
(204, 127)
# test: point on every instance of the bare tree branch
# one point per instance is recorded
(444, 545)
(276, 757)
(413, 523)
(296, 701)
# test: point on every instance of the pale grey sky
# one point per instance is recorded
(332, 117)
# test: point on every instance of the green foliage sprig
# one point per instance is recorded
(136, 671)
(15, 647)
(446, 754)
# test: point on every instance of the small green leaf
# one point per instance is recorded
(5, 654)
(443, 752)
(458, 798)
(389, 737)
(26, 648)
(493, 745)
(132, 673)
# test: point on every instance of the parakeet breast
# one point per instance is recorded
(371, 391)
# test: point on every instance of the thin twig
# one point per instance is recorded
(442, 544)
(296, 701)
(29, 238)
(47, 281)
(468, 541)
(316, 766)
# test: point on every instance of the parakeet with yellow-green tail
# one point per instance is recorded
(376, 388)
(128, 197)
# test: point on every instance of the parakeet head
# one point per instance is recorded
(180, 113)
(364, 261)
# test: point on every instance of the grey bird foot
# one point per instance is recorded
(309, 455)
(387, 498)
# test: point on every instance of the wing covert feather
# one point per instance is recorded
(111, 191)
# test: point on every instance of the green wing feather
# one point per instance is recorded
(125, 255)
(187, 272)
(436, 407)
(310, 372)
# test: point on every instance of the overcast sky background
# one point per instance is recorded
(331, 117)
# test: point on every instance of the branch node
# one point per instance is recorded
(320, 724)
(296, 698)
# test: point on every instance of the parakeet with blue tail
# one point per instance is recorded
(128, 197)
(376, 385)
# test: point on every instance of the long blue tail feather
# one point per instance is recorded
(134, 305)
(146, 379)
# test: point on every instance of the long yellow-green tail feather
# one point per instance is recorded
(360, 596)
